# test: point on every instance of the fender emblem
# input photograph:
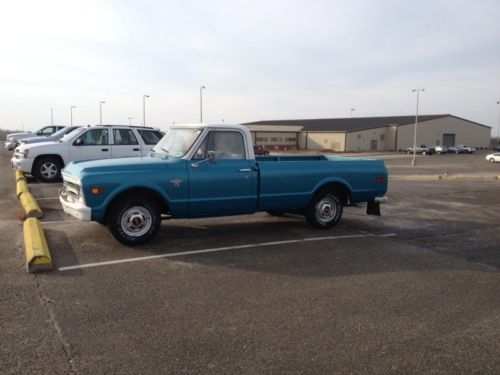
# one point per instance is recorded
(176, 182)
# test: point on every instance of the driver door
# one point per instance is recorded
(226, 185)
(93, 144)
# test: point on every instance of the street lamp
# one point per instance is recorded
(413, 161)
(51, 116)
(352, 110)
(130, 120)
(100, 111)
(144, 109)
(201, 103)
(71, 114)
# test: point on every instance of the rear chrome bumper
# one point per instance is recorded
(383, 199)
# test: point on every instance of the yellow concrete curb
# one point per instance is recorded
(31, 207)
(20, 175)
(21, 187)
(37, 251)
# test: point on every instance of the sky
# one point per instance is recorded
(258, 60)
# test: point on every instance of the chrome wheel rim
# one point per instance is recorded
(136, 221)
(326, 209)
(48, 170)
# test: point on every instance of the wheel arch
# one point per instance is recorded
(341, 187)
(148, 192)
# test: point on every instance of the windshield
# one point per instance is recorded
(60, 133)
(177, 142)
(72, 134)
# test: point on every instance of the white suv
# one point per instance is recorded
(45, 160)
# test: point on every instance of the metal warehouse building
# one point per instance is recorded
(369, 133)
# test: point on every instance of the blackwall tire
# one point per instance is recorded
(47, 169)
(325, 210)
(134, 220)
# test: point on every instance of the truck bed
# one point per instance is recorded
(290, 181)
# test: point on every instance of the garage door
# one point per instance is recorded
(448, 140)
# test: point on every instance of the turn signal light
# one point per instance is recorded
(96, 191)
(379, 180)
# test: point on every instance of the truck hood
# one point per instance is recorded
(38, 139)
(78, 169)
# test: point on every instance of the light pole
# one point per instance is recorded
(51, 116)
(100, 111)
(71, 114)
(130, 120)
(352, 110)
(144, 109)
(201, 103)
(413, 161)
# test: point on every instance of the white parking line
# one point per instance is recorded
(217, 249)
(59, 221)
(46, 199)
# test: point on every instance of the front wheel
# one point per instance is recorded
(492, 160)
(325, 210)
(134, 220)
(47, 169)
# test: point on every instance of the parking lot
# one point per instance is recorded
(415, 290)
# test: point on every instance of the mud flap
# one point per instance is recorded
(373, 208)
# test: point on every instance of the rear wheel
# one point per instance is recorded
(47, 169)
(134, 220)
(325, 210)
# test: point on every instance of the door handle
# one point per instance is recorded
(104, 149)
(245, 170)
(136, 149)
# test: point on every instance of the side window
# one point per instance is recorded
(150, 137)
(226, 144)
(124, 137)
(95, 137)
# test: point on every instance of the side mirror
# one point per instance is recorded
(211, 157)
(39, 133)
(78, 142)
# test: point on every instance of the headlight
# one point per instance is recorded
(73, 191)
(23, 154)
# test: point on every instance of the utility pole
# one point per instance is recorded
(414, 161)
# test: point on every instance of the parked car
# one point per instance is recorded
(440, 149)
(461, 149)
(260, 150)
(13, 139)
(494, 157)
(211, 170)
(496, 148)
(45, 160)
(422, 149)
(50, 138)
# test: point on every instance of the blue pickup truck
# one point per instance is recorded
(210, 170)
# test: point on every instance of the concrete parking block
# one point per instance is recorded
(20, 175)
(21, 187)
(30, 206)
(37, 251)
